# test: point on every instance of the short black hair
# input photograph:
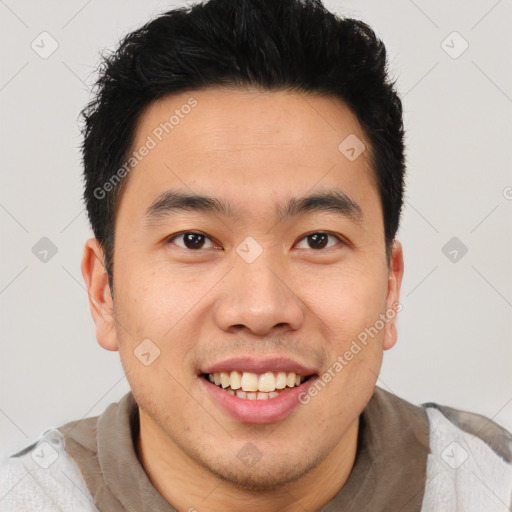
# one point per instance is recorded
(274, 45)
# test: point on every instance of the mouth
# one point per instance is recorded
(253, 386)
(256, 398)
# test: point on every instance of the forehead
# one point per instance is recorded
(250, 146)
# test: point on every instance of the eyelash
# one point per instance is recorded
(340, 240)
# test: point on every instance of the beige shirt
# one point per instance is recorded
(389, 473)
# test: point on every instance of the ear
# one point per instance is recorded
(395, 274)
(100, 300)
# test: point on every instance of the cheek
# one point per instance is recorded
(153, 345)
(158, 303)
(348, 301)
(154, 298)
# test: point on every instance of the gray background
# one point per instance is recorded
(454, 342)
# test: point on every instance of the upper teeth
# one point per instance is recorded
(248, 381)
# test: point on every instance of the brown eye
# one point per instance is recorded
(191, 240)
(318, 240)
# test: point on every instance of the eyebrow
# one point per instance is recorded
(173, 202)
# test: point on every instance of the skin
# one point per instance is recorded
(255, 149)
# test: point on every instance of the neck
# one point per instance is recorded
(185, 484)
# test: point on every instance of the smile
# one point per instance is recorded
(240, 395)
(253, 386)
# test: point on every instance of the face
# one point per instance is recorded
(257, 280)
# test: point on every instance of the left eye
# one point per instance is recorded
(318, 241)
(192, 240)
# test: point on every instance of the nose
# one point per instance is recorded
(256, 296)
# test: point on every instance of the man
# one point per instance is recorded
(244, 174)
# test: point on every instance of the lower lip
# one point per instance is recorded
(270, 410)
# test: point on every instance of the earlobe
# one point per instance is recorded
(396, 272)
(100, 299)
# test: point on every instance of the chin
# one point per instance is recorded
(270, 475)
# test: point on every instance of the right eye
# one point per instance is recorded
(191, 240)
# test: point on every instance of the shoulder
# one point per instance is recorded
(43, 477)
(470, 462)
(496, 437)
